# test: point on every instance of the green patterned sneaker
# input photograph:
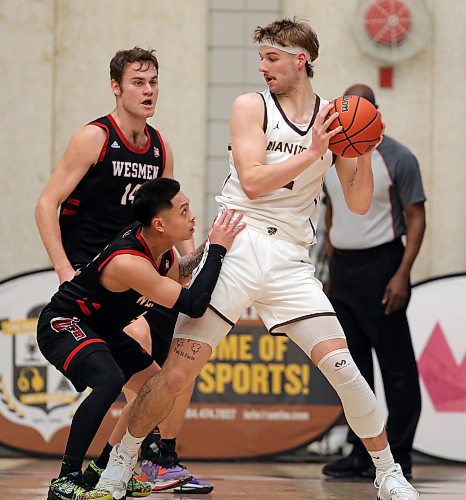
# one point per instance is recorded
(72, 487)
(134, 488)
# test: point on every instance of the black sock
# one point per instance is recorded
(168, 455)
(150, 447)
(69, 465)
(102, 461)
(169, 444)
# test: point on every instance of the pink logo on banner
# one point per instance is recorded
(444, 379)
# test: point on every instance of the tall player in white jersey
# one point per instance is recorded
(290, 209)
(278, 157)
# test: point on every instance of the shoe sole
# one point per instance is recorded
(175, 483)
(129, 494)
(51, 496)
(135, 494)
(196, 490)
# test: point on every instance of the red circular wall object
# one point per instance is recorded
(388, 21)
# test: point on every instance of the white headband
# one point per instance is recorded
(290, 50)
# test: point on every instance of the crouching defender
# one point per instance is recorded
(81, 330)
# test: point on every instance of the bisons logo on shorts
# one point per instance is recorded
(69, 325)
(36, 400)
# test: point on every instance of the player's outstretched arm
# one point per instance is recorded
(195, 300)
(189, 262)
(126, 271)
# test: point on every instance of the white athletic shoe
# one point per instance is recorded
(118, 472)
(393, 485)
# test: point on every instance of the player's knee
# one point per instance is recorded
(175, 380)
(110, 384)
(139, 330)
(360, 405)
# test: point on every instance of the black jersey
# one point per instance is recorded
(101, 204)
(84, 297)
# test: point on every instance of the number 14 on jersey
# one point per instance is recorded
(130, 191)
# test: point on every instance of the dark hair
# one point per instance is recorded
(362, 90)
(124, 57)
(153, 197)
(290, 33)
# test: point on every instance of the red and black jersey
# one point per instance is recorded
(84, 297)
(101, 204)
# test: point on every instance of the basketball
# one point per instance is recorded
(362, 126)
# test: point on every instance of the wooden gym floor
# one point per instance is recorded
(28, 478)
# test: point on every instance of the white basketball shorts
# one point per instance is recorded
(275, 275)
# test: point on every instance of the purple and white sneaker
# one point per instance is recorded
(196, 486)
(163, 478)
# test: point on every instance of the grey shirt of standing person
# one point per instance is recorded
(397, 184)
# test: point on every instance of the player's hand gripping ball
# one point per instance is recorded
(362, 126)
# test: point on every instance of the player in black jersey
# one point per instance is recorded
(104, 164)
(93, 188)
(81, 330)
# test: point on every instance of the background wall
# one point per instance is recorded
(55, 78)
(54, 65)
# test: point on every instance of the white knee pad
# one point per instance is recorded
(362, 411)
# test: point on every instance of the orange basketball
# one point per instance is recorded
(362, 126)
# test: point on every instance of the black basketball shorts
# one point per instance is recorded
(66, 341)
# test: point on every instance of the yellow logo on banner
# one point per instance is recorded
(232, 368)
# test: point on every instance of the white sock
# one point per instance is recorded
(130, 444)
(382, 459)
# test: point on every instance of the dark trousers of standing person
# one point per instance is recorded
(358, 279)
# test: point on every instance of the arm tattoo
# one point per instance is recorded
(189, 262)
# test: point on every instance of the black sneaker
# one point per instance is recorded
(354, 465)
(72, 487)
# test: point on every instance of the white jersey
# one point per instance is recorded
(290, 212)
